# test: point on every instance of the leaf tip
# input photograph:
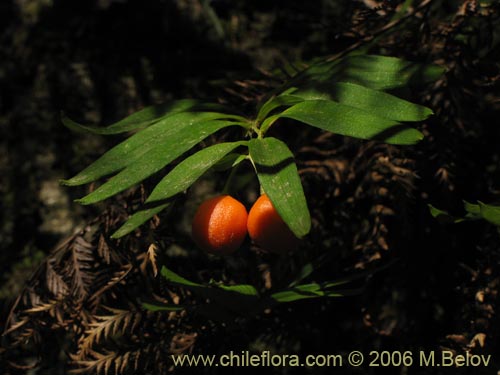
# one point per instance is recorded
(118, 234)
(64, 182)
(125, 229)
(83, 201)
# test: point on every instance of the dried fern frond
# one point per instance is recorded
(55, 282)
(78, 268)
(151, 357)
(104, 278)
(150, 258)
(106, 326)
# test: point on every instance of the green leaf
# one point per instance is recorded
(293, 295)
(346, 120)
(268, 122)
(229, 301)
(442, 215)
(280, 180)
(473, 210)
(375, 72)
(158, 157)
(278, 101)
(490, 213)
(171, 276)
(305, 291)
(137, 120)
(306, 270)
(375, 102)
(140, 144)
(152, 307)
(241, 299)
(178, 180)
(229, 161)
(137, 219)
(244, 289)
(190, 169)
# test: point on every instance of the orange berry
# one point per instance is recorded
(220, 225)
(267, 229)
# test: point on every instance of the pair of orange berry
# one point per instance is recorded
(220, 226)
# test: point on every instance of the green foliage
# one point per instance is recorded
(280, 180)
(344, 96)
(346, 120)
(138, 120)
(244, 299)
(163, 134)
(179, 179)
(376, 102)
(479, 211)
(375, 72)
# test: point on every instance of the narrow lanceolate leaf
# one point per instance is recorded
(442, 215)
(383, 72)
(312, 290)
(154, 307)
(490, 213)
(280, 180)
(244, 289)
(354, 122)
(227, 294)
(178, 180)
(137, 219)
(375, 72)
(137, 120)
(171, 276)
(190, 169)
(283, 100)
(229, 161)
(474, 211)
(156, 158)
(140, 144)
(376, 102)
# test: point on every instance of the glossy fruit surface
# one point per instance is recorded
(220, 225)
(268, 230)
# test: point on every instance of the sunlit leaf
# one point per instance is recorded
(137, 219)
(158, 157)
(190, 169)
(375, 72)
(346, 120)
(140, 144)
(178, 180)
(375, 102)
(136, 120)
(229, 161)
(280, 180)
(285, 99)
